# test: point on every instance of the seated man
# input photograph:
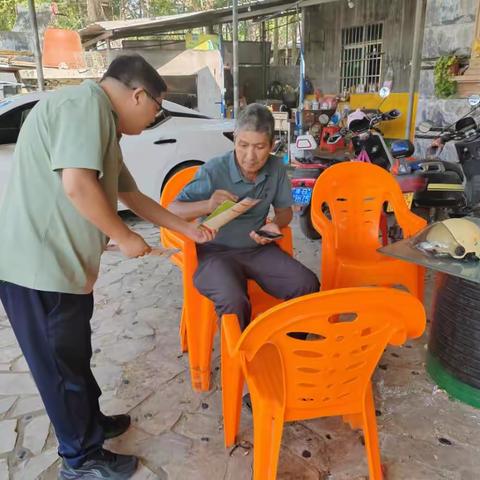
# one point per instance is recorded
(238, 253)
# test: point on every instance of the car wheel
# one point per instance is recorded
(178, 168)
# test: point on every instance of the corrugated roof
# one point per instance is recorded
(128, 28)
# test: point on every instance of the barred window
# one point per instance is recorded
(361, 58)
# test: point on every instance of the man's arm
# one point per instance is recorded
(151, 211)
(283, 216)
(82, 187)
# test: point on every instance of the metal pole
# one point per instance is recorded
(36, 45)
(236, 98)
(416, 57)
(301, 93)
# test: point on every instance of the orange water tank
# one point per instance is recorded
(62, 47)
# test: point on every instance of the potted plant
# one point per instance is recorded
(446, 67)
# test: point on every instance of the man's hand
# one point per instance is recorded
(200, 233)
(133, 245)
(218, 197)
(268, 227)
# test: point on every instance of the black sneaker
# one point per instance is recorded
(101, 465)
(114, 425)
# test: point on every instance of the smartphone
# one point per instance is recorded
(270, 235)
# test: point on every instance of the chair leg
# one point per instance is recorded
(201, 325)
(268, 422)
(183, 332)
(371, 437)
(232, 386)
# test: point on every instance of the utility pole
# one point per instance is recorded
(236, 97)
(36, 45)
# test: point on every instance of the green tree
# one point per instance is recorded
(8, 13)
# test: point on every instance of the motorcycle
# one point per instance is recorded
(368, 145)
(452, 187)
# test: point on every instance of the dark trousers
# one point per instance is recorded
(53, 330)
(222, 276)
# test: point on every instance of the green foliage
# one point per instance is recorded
(71, 15)
(445, 87)
(8, 13)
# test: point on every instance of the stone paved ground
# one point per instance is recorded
(178, 433)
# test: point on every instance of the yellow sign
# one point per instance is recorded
(408, 200)
(198, 41)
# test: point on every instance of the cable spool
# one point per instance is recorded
(454, 345)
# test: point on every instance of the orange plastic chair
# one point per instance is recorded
(355, 193)
(198, 322)
(328, 374)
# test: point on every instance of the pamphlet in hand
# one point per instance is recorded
(227, 211)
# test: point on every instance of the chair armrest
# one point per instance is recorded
(286, 242)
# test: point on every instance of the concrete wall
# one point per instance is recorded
(323, 30)
(21, 37)
(449, 29)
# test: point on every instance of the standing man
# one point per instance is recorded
(58, 212)
(238, 253)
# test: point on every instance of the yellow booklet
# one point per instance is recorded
(227, 211)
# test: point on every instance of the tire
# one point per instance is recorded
(306, 225)
(178, 168)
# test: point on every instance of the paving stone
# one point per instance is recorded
(6, 404)
(124, 350)
(108, 376)
(163, 409)
(305, 444)
(17, 384)
(143, 473)
(20, 365)
(36, 433)
(27, 405)
(4, 469)
(7, 338)
(198, 426)
(129, 441)
(9, 354)
(291, 466)
(32, 468)
(8, 435)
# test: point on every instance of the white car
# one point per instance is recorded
(179, 138)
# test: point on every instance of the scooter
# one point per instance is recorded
(452, 188)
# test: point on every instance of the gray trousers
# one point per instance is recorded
(223, 272)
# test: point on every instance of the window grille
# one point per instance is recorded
(361, 64)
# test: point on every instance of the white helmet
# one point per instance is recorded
(454, 237)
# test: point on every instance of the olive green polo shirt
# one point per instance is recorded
(271, 187)
(45, 243)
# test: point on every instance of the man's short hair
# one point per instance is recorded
(134, 71)
(256, 118)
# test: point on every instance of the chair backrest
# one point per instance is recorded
(176, 183)
(355, 193)
(329, 371)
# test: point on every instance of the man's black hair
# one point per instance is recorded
(134, 71)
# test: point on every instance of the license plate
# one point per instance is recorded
(408, 200)
(301, 195)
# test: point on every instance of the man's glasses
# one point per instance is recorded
(154, 99)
